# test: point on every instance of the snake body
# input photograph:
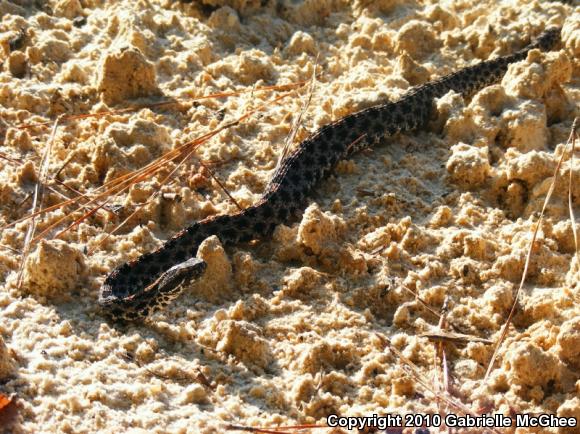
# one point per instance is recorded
(137, 288)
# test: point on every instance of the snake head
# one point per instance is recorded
(172, 280)
(126, 298)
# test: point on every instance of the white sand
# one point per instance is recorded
(286, 330)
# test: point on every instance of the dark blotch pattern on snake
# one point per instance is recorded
(136, 288)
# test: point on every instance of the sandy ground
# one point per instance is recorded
(294, 328)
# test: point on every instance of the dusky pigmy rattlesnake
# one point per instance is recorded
(136, 288)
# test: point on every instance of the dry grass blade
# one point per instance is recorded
(10, 159)
(505, 327)
(36, 202)
(232, 427)
(202, 379)
(573, 136)
(355, 142)
(298, 122)
(446, 375)
(273, 430)
(184, 377)
(164, 103)
(222, 186)
(458, 338)
(421, 301)
(190, 146)
(40, 212)
(153, 196)
(78, 194)
(441, 369)
(122, 183)
(426, 384)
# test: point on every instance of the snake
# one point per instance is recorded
(137, 288)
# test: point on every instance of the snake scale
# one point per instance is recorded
(135, 289)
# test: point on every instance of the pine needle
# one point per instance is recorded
(505, 327)
(572, 138)
(298, 122)
(36, 202)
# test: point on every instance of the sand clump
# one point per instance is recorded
(468, 165)
(292, 328)
(54, 269)
(217, 282)
(126, 74)
(569, 342)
